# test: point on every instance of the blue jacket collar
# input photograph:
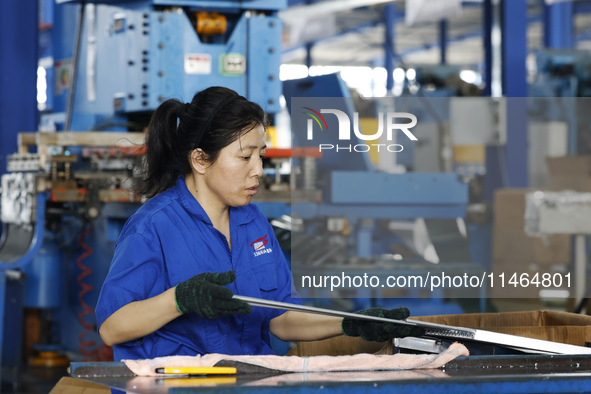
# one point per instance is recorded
(238, 215)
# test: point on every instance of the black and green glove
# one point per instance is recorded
(381, 331)
(205, 295)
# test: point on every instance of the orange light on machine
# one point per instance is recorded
(211, 23)
(293, 152)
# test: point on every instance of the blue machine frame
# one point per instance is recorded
(134, 55)
(353, 189)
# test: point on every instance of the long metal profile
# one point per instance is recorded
(310, 309)
(529, 345)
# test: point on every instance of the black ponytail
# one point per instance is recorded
(214, 119)
(164, 160)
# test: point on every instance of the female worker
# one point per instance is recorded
(187, 250)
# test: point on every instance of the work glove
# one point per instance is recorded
(381, 331)
(205, 295)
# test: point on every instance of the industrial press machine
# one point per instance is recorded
(68, 191)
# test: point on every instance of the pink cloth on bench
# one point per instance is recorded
(358, 362)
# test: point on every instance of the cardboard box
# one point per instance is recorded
(513, 244)
(524, 266)
(553, 326)
(564, 213)
(533, 280)
(570, 183)
(569, 166)
(509, 208)
(570, 173)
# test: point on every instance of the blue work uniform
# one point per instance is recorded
(169, 240)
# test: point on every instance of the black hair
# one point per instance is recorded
(214, 118)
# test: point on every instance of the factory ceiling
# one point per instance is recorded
(341, 33)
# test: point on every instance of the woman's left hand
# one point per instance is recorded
(381, 331)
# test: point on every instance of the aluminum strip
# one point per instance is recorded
(528, 345)
(467, 332)
(524, 343)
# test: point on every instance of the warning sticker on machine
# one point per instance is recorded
(232, 64)
(198, 63)
(63, 70)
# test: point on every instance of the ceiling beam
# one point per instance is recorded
(314, 10)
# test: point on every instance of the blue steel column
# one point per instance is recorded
(443, 41)
(558, 34)
(18, 72)
(390, 25)
(514, 53)
(3, 290)
(558, 25)
(487, 16)
(495, 154)
(514, 31)
(309, 46)
(309, 55)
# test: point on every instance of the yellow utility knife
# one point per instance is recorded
(197, 370)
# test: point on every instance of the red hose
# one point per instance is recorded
(104, 352)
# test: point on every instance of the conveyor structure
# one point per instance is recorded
(482, 374)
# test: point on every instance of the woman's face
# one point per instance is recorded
(233, 179)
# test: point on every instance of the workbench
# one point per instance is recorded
(482, 374)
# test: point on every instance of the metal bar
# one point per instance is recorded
(529, 344)
(443, 41)
(467, 332)
(519, 364)
(320, 311)
(72, 92)
(389, 44)
(86, 138)
(103, 138)
(525, 344)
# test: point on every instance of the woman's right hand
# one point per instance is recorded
(205, 295)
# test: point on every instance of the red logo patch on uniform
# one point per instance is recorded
(259, 243)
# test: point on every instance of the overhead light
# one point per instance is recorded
(324, 70)
(470, 76)
(41, 87)
(357, 76)
(380, 75)
(399, 75)
(292, 71)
